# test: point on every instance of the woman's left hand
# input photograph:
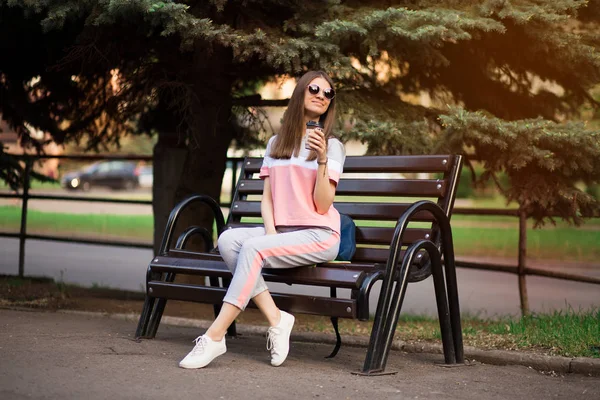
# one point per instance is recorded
(316, 141)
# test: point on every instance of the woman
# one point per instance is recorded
(301, 227)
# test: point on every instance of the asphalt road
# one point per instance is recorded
(481, 292)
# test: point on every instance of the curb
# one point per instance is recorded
(552, 364)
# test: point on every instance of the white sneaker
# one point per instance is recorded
(278, 339)
(203, 352)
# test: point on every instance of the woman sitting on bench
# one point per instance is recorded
(300, 169)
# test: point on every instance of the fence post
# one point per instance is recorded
(522, 262)
(23, 231)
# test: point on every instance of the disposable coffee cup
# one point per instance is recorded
(310, 125)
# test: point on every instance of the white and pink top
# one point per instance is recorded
(292, 184)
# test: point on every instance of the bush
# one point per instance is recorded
(466, 189)
(465, 184)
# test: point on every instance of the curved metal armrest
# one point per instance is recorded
(364, 292)
(440, 217)
(178, 209)
(192, 231)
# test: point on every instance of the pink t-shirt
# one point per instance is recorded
(292, 184)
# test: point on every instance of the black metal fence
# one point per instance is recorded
(521, 269)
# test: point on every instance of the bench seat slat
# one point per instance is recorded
(213, 265)
(360, 262)
(351, 266)
(193, 254)
(369, 187)
(367, 260)
(343, 308)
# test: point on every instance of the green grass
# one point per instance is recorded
(565, 333)
(555, 243)
(568, 333)
(473, 236)
(138, 227)
(35, 185)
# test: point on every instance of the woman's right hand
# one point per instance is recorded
(316, 142)
(270, 231)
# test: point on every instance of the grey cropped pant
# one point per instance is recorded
(247, 251)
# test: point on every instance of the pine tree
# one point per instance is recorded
(511, 71)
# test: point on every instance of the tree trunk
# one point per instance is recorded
(202, 173)
(181, 172)
(199, 168)
(168, 161)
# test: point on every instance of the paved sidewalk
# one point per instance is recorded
(46, 355)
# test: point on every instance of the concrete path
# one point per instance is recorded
(68, 356)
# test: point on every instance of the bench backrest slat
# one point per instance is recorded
(370, 187)
(361, 164)
(367, 254)
(374, 191)
(371, 235)
(359, 211)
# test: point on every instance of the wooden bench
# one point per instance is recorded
(383, 194)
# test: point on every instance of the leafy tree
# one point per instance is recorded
(184, 70)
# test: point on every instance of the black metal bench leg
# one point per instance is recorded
(380, 318)
(382, 334)
(442, 307)
(156, 317)
(147, 310)
(393, 315)
(377, 350)
(142, 327)
(452, 286)
(158, 311)
(441, 300)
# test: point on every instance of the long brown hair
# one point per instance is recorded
(289, 139)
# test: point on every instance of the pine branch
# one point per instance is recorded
(544, 160)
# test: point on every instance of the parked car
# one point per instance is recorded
(113, 174)
(146, 177)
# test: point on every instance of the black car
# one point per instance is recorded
(112, 174)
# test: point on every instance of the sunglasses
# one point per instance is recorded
(328, 93)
